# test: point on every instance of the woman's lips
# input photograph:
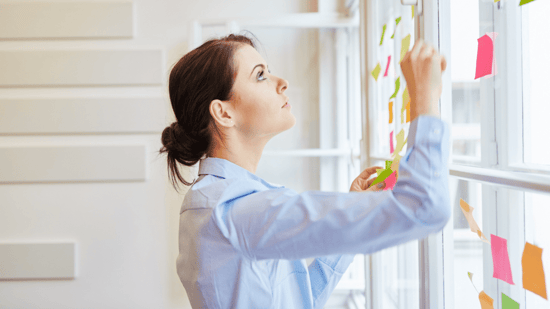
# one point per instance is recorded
(286, 104)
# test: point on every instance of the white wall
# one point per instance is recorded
(83, 100)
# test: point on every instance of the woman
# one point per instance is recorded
(243, 241)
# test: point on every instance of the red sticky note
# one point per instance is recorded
(387, 66)
(501, 261)
(390, 182)
(485, 56)
(391, 142)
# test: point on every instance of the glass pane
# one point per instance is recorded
(537, 212)
(468, 248)
(535, 79)
(466, 94)
(400, 276)
(389, 13)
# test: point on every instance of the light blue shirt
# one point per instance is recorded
(243, 241)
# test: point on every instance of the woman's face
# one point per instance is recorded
(257, 109)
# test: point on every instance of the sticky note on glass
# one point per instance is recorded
(387, 66)
(522, 2)
(397, 84)
(376, 71)
(501, 261)
(405, 44)
(400, 137)
(390, 108)
(412, 9)
(468, 213)
(396, 23)
(383, 31)
(486, 62)
(485, 300)
(406, 99)
(533, 273)
(390, 181)
(508, 303)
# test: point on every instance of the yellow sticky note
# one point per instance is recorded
(390, 107)
(412, 7)
(376, 71)
(486, 301)
(406, 99)
(400, 137)
(468, 213)
(405, 44)
(379, 171)
(533, 273)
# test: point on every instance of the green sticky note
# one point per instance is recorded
(525, 2)
(396, 23)
(385, 174)
(397, 85)
(388, 164)
(508, 303)
(379, 171)
(383, 31)
(405, 44)
(376, 71)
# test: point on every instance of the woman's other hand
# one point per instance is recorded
(362, 182)
(422, 68)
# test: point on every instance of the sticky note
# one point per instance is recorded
(501, 261)
(391, 142)
(378, 171)
(522, 2)
(412, 7)
(390, 182)
(397, 84)
(385, 174)
(388, 164)
(486, 63)
(508, 303)
(406, 99)
(405, 44)
(383, 31)
(390, 108)
(468, 213)
(395, 163)
(485, 300)
(396, 23)
(533, 273)
(400, 141)
(387, 66)
(376, 71)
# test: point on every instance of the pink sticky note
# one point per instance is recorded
(390, 182)
(484, 56)
(501, 262)
(391, 142)
(387, 66)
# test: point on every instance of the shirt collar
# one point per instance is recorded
(226, 169)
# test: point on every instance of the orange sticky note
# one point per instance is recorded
(501, 261)
(468, 213)
(387, 66)
(391, 142)
(533, 273)
(485, 300)
(390, 182)
(390, 107)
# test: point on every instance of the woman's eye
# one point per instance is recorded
(262, 74)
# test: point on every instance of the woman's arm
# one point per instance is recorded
(282, 224)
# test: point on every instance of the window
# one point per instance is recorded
(499, 163)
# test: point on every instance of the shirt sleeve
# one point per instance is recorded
(283, 224)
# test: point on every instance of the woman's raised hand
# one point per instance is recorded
(422, 67)
(362, 182)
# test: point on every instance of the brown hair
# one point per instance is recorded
(204, 74)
